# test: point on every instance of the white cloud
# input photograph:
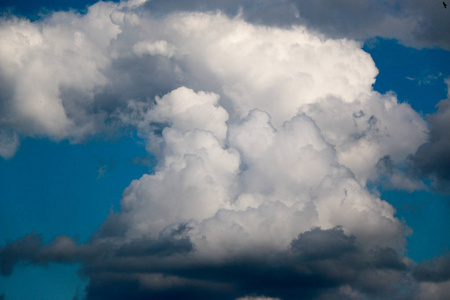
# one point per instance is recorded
(273, 69)
(44, 62)
(257, 192)
(182, 109)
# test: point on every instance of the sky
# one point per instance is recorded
(224, 150)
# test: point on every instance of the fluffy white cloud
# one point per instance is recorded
(51, 70)
(257, 192)
(182, 109)
(272, 69)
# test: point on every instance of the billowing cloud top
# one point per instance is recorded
(265, 139)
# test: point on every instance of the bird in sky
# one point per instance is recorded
(445, 4)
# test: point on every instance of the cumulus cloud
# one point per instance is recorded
(265, 138)
(51, 70)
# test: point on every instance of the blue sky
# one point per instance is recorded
(60, 189)
(33, 8)
(416, 76)
(67, 181)
(59, 179)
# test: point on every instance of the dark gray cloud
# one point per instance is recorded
(432, 25)
(433, 158)
(434, 278)
(437, 270)
(317, 263)
(351, 18)
(269, 12)
(30, 248)
(323, 244)
(417, 23)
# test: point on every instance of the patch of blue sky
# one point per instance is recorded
(33, 10)
(49, 282)
(416, 76)
(59, 188)
(426, 213)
